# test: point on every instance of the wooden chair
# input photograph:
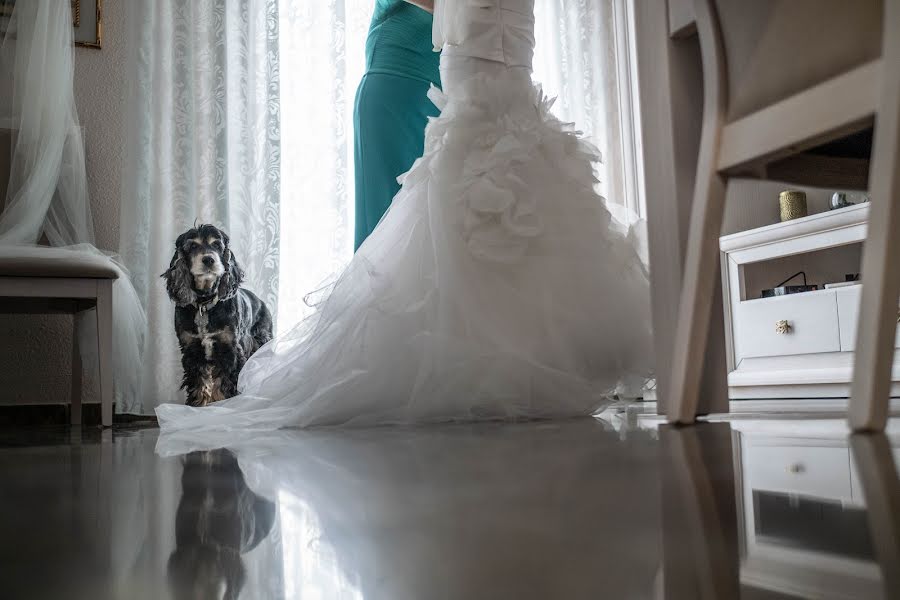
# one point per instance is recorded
(30, 283)
(780, 77)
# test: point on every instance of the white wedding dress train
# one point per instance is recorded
(497, 285)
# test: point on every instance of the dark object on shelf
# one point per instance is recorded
(842, 200)
(851, 277)
(839, 200)
(784, 290)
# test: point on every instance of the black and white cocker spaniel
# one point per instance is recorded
(219, 325)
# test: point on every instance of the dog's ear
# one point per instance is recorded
(233, 277)
(178, 278)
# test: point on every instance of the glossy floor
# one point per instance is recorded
(756, 507)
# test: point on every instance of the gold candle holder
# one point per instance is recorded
(793, 204)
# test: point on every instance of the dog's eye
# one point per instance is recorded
(216, 244)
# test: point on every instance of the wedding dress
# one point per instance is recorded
(496, 286)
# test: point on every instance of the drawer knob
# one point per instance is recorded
(796, 468)
(783, 327)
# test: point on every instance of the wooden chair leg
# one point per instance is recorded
(104, 347)
(870, 394)
(701, 273)
(75, 397)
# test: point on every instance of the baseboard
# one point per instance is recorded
(35, 415)
(788, 408)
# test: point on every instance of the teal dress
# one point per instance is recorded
(391, 108)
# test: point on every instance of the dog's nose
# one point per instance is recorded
(209, 261)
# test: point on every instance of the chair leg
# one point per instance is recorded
(75, 397)
(701, 274)
(870, 393)
(104, 347)
(696, 303)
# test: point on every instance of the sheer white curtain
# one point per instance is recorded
(322, 55)
(202, 147)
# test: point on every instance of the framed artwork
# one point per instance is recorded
(87, 19)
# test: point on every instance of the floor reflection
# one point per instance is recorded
(877, 470)
(218, 520)
(543, 510)
(800, 510)
(700, 540)
(752, 508)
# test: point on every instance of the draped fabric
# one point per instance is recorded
(47, 147)
(47, 194)
(203, 146)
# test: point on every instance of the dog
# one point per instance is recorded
(219, 325)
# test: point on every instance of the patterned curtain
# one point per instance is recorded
(203, 146)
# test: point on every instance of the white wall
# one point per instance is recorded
(35, 351)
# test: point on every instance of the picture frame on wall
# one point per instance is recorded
(87, 20)
(87, 17)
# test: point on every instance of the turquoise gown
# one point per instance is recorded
(391, 108)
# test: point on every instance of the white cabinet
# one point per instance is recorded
(800, 345)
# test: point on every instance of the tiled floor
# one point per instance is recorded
(765, 506)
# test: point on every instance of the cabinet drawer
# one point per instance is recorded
(848, 313)
(812, 319)
(822, 472)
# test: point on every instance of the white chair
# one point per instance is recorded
(31, 283)
(782, 76)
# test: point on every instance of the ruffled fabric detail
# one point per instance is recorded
(500, 130)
